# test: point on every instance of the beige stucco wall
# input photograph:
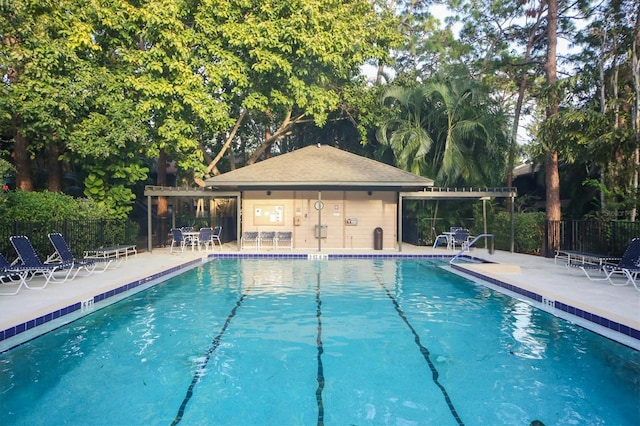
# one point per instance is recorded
(350, 216)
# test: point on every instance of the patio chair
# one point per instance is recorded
(215, 236)
(204, 238)
(460, 237)
(268, 237)
(250, 237)
(440, 238)
(10, 275)
(628, 267)
(63, 254)
(30, 261)
(284, 238)
(177, 239)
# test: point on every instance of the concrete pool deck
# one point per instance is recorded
(613, 311)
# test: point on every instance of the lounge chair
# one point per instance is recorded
(628, 267)
(268, 237)
(63, 254)
(177, 239)
(576, 258)
(215, 236)
(284, 239)
(30, 261)
(11, 275)
(250, 237)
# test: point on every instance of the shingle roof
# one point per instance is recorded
(319, 167)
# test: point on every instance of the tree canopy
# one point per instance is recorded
(98, 96)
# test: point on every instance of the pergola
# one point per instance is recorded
(483, 194)
(185, 192)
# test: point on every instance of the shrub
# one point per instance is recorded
(529, 231)
(46, 206)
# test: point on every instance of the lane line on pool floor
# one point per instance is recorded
(203, 365)
(320, 376)
(423, 350)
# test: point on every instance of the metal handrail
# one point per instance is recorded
(468, 246)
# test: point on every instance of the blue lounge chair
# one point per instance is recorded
(30, 261)
(628, 267)
(63, 254)
(11, 275)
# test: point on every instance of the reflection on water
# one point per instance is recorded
(500, 360)
(531, 340)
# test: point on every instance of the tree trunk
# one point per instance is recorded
(603, 111)
(163, 203)
(552, 175)
(21, 159)
(636, 112)
(54, 172)
(522, 89)
(227, 145)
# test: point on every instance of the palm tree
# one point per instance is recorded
(471, 132)
(405, 132)
(450, 130)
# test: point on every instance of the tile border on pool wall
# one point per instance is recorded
(571, 310)
(306, 256)
(26, 326)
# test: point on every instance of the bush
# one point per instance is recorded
(82, 222)
(529, 231)
(46, 206)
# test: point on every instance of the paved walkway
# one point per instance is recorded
(555, 283)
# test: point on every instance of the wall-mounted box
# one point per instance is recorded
(322, 233)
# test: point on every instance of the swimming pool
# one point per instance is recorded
(284, 342)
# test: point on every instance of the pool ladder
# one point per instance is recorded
(466, 247)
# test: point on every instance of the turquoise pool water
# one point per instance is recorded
(340, 342)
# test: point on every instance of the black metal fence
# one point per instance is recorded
(81, 235)
(609, 238)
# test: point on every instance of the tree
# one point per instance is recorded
(294, 58)
(449, 129)
(406, 132)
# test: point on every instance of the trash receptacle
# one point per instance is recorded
(377, 239)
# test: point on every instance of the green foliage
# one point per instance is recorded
(448, 129)
(5, 169)
(529, 231)
(116, 199)
(48, 206)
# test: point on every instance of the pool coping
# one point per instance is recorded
(17, 335)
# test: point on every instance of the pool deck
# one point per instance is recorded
(565, 292)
